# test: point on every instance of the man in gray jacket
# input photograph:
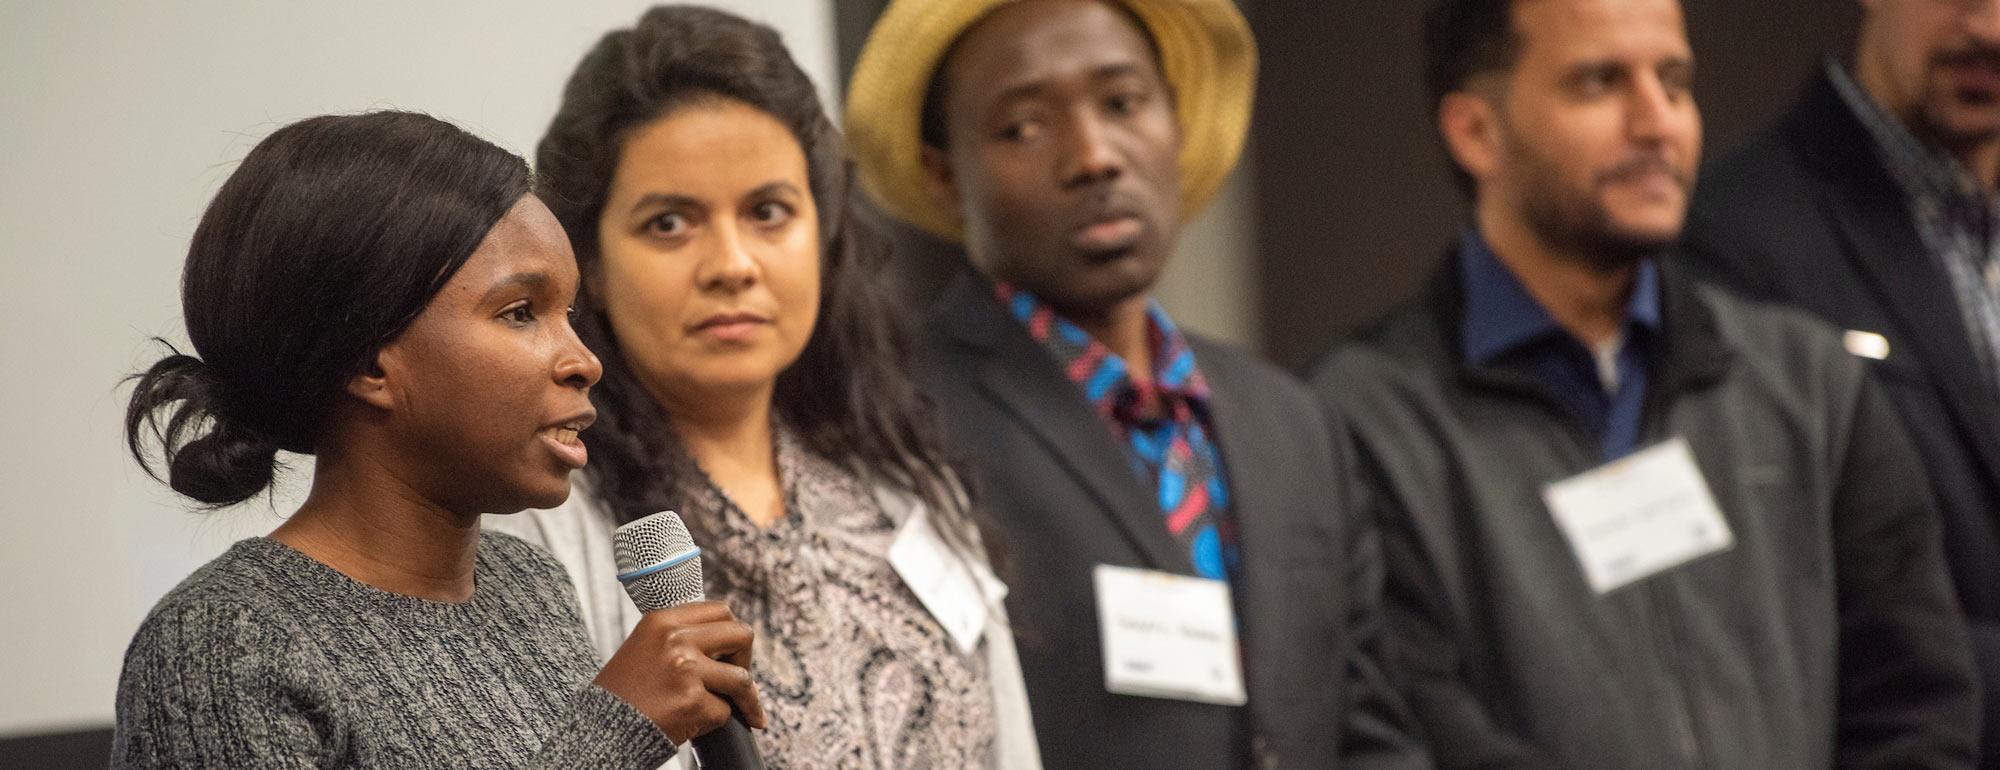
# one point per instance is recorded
(1632, 521)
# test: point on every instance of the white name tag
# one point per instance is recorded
(952, 589)
(1168, 636)
(1635, 517)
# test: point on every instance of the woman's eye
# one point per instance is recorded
(771, 213)
(667, 224)
(520, 314)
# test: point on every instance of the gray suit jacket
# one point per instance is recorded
(1058, 490)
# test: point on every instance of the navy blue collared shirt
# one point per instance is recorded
(1504, 323)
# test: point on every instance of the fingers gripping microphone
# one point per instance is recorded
(660, 567)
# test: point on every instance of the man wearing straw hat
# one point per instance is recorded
(1191, 582)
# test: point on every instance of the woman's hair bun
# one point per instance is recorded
(210, 454)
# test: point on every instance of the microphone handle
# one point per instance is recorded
(728, 747)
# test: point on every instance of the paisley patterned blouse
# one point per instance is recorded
(852, 670)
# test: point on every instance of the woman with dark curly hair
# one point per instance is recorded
(382, 291)
(754, 382)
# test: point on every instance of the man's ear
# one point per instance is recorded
(374, 386)
(941, 183)
(1469, 121)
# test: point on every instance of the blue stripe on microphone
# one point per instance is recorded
(671, 562)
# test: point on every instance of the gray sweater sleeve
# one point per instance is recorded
(211, 685)
(605, 731)
(199, 691)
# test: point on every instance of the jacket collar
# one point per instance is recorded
(1694, 355)
(1832, 141)
(1501, 316)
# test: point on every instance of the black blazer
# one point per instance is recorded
(1057, 488)
(1805, 213)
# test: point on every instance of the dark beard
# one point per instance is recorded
(1932, 129)
(1931, 126)
(1582, 227)
(1590, 236)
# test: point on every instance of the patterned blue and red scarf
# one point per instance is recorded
(1165, 422)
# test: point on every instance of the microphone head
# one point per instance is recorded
(658, 562)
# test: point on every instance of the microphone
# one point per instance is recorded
(660, 567)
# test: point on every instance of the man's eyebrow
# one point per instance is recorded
(1022, 91)
(1115, 70)
(1035, 88)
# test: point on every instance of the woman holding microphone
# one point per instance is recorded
(753, 382)
(381, 291)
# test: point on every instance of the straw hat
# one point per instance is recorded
(1205, 49)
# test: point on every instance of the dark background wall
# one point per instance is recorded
(1352, 204)
(1364, 206)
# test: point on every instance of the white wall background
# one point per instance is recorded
(120, 121)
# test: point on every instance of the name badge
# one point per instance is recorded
(1168, 636)
(1637, 516)
(954, 590)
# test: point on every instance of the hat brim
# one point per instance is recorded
(1206, 51)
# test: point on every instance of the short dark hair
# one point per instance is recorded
(848, 394)
(326, 242)
(1464, 39)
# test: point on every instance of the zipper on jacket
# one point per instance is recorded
(1660, 632)
(1666, 643)
(1656, 404)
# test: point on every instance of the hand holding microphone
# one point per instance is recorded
(669, 669)
(686, 654)
(687, 661)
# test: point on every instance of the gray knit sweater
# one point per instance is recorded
(267, 658)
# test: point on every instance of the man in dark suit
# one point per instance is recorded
(1064, 141)
(1872, 205)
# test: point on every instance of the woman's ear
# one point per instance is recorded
(374, 386)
